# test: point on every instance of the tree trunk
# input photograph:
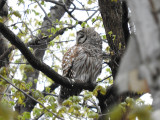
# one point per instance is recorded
(3, 41)
(115, 19)
(56, 13)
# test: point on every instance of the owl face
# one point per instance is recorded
(89, 36)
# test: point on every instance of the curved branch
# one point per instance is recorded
(36, 41)
(39, 65)
(64, 7)
(44, 11)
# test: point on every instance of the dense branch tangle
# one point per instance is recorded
(45, 39)
(37, 64)
(38, 41)
(29, 96)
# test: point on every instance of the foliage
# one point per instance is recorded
(26, 20)
(131, 110)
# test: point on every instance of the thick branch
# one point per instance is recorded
(39, 65)
(37, 41)
(2, 3)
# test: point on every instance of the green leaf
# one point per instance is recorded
(114, 37)
(37, 94)
(116, 114)
(26, 115)
(28, 68)
(51, 100)
(76, 99)
(71, 109)
(114, 0)
(87, 96)
(110, 33)
(47, 89)
(103, 91)
(62, 110)
(129, 101)
(76, 107)
(67, 102)
(120, 46)
(37, 112)
(35, 80)
(83, 24)
(89, 2)
(93, 20)
(35, 6)
(17, 14)
(92, 114)
(42, 2)
(104, 37)
(20, 101)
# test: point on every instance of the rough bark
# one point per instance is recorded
(115, 19)
(3, 41)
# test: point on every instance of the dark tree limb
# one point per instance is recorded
(125, 21)
(39, 65)
(36, 42)
(2, 3)
(3, 8)
(115, 19)
(46, 39)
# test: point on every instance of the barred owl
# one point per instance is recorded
(82, 62)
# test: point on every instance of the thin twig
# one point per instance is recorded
(36, 41)
(83, 9)
(91, 15)
(64, 7)
(30, 97)
(44, 12)
(104, 79)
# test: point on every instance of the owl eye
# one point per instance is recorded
(81, 37)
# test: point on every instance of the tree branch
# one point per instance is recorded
(36, 41)
(44, 12)
(2, 3)
(29, 96)
(39, 65)
(64, 7)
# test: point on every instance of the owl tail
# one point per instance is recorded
(65, 93)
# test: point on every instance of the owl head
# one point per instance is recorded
(89, 36)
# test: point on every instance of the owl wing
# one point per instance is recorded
(82, 64)
(67, 67)
(68, 60)
(87, 64)
(79, 63)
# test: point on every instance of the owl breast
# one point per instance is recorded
(82, 63)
